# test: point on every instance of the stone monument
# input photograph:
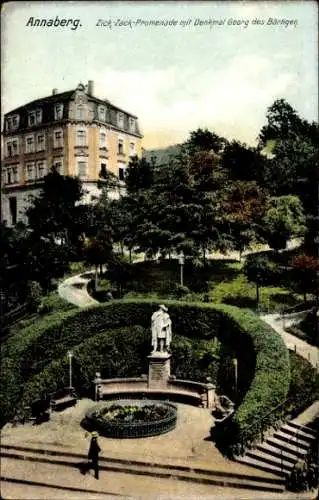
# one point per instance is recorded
(159, 359)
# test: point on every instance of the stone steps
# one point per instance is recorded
(299, 433)
(269, 483)
(280, 452)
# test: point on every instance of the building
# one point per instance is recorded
(74, 131)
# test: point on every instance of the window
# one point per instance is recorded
(132, 124)
(12, 147)
(12, 174)
(35, 117)
(12, 122)
(121, 172)
(102, 139)
(40, 142)
(58, 165)
(41, 169)
(79, 112)
(103, 171)
(82, 170)
(58, 111)
(102, 113)
(30, 171)
(13, 209)
(132, 149)
(120, 119)
(29, 144)
(120, 147)
(81, 138)
(58, 139)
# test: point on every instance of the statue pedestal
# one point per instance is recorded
(159, 370)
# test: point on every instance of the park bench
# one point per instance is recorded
(62, 399)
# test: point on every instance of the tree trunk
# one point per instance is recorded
(204, 256)
(122, 248)
(130, 255)
(96, 277)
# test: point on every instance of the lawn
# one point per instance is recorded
(220, 281)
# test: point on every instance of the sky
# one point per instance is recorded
(222, 74)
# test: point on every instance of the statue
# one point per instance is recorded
(161, 330)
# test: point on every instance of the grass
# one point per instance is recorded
(220, 281)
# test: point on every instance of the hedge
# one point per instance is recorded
(260, 351)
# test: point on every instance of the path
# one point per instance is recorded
(307, 351)
(74, 290)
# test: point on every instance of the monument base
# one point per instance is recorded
(159, 370)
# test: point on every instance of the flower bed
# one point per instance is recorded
(131, 418)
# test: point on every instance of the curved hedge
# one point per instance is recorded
(259, 349)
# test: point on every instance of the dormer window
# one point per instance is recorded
(120, 119)
(12, 122)
(35, 117)
(58, 111)
(102, 113)
(80, 112)
(132, 124)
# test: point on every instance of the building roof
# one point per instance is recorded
(47, 105)
(62, 97)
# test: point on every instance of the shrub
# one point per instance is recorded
(40, 353)
(34, 294)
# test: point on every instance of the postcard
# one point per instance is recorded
(87, 89)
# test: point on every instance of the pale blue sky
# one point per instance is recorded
(174, 79)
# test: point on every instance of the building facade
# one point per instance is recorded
(75, 132)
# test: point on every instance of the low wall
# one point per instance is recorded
(186, 391)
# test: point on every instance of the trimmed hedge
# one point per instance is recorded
(260, 351)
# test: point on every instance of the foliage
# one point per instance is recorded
(204, 140)
(259, 271)
(243, 163)
(304, 385)
(284, 219)
(304, 274)
(309, 326)
(39, 355)
(34, 294)
(56, 213)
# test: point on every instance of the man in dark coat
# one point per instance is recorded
(93, 455)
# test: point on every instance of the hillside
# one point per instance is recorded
(163, 155)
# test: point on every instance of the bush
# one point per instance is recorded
(34, 294)
(40, 352)
(304, 385)
(53, 303)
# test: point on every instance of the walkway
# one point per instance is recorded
(74, 290)
(307, 351)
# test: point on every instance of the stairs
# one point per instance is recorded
(280, 452)
(263, 482)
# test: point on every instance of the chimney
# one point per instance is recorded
(90, 87)
(54, 91)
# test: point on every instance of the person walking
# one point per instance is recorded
(93, 455)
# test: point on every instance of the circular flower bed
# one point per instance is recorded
(132, 418)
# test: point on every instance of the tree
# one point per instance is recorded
(304, 274)
(283, 122)
(284, 219)
(258, 270)
(97, 253)
(139, 175)
(244, 208)
(204, 140)
(243, 163)
(56, 213)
